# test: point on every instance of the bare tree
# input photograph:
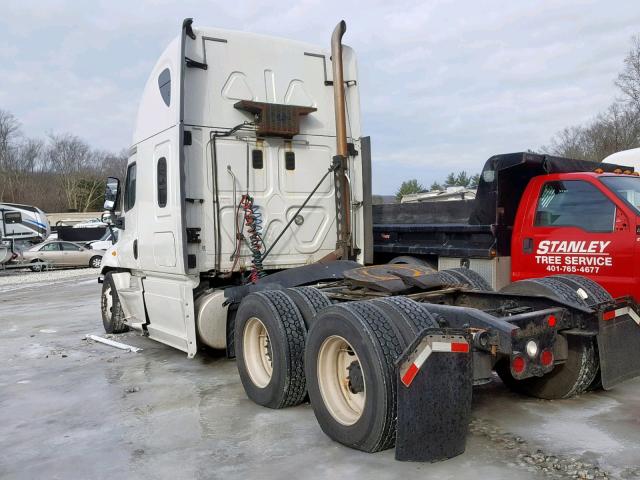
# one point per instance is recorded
(71, 158)
(9, 136)
(629, 79)
(617, 128)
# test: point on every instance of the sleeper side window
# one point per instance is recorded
(574, 203)
(130, 188)
(161, 178)
(164, 84)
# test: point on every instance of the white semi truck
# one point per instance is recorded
(234, 141)
(246, 219)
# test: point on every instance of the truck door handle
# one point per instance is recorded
(527, 245)
(135, 249)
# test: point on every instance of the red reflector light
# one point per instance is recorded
(410, 374)
(610, 315)
(546, 357)
(459, 347)
(551, 320)
(518, 364)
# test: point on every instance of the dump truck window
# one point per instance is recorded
(130, 188)
(626, 188)
(574, 203)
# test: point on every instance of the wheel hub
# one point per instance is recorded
(356, 380)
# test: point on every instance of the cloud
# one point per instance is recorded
(444, 84)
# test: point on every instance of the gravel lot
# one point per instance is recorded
(12, 279)
(71, 408)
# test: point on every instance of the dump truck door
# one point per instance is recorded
(574, 227)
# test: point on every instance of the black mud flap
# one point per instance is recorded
(435, 380)
(619, 345)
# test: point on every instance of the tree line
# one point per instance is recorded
(59, 173)
(616, 128)
(459, 179)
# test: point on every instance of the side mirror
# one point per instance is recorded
(111, 194)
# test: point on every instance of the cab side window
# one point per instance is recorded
(130, 188)
(574, 203)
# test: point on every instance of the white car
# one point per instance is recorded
(105, 241)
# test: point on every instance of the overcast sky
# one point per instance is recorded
(444, 84)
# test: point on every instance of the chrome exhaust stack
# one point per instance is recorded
(343, 194)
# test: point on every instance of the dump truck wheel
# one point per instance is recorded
(581, 367)
(566, 380)
(409, 260)
(269, 341)
(472, 279)
(113, 318)
(592, 292)
(595, 294)
(349, 360)
(309, 300)
(549, 287)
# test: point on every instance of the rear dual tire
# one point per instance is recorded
(354, 397)
(269, 340)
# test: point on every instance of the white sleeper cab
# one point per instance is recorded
(234, 173)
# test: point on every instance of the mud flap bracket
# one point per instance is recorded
(435, 379)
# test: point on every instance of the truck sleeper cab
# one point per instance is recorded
(233, 154)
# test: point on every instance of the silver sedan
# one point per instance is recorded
(57, 253)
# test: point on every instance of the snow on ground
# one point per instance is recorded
(16, 279)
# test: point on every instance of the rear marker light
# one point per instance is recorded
(546, 358)
(518, 364)
(610, 315)
(551, 320)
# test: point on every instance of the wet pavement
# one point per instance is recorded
(71, 408)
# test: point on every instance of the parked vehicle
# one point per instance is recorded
(23, 222)
(61, 254)
(245, 228)
(534, 215)
(109, 238)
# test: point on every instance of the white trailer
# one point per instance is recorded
(23, 222)
(20, 224)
